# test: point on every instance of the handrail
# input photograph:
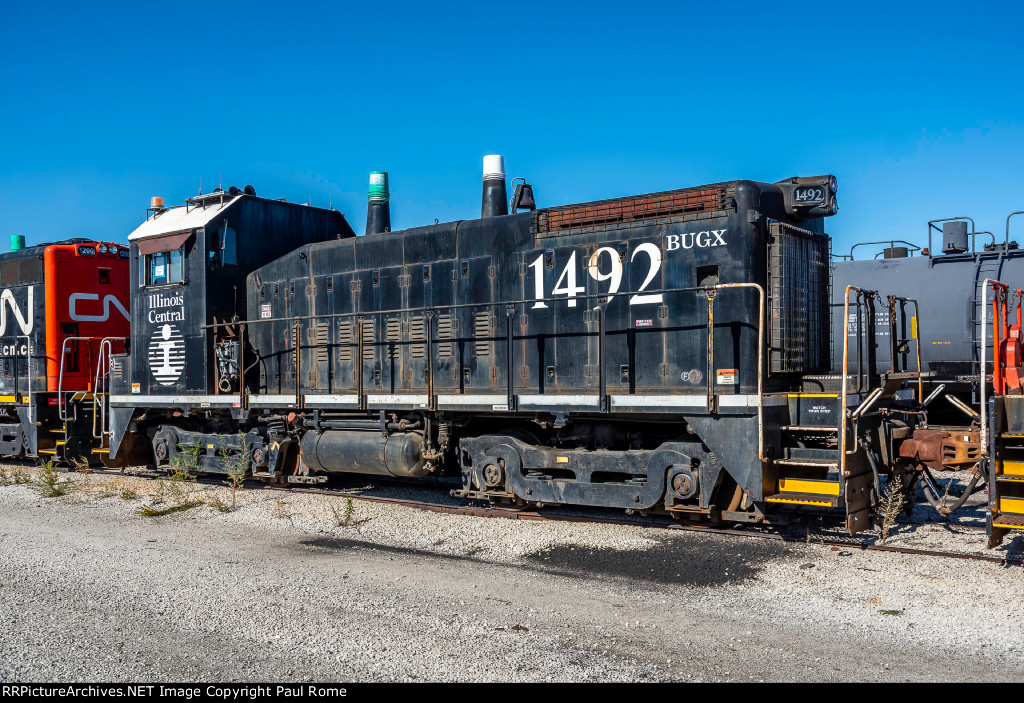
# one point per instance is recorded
(917, 343)
(512, 304)
(760, 359)
(846, 371)
(1006, 243)
(891, 242)
(105, 343)
(28, 372)
(997, 286)
(16, 357)
(457, 306)
(915, 248)
(61, 412)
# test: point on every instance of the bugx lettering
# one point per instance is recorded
(701, 240)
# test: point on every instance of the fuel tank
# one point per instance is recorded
(364, 452)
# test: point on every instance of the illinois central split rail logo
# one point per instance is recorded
(167, 354)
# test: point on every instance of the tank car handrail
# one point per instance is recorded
(976, 234)
(890, 242)
(1006, 242)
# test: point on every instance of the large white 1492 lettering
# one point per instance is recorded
(107, 301)
(566, 284)
(654, 253)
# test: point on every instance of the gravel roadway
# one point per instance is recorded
(277, 590)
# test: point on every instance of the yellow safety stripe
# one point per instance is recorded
(776, 499)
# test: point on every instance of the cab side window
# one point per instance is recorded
(21, 271)
(223, 251)
(163, 268)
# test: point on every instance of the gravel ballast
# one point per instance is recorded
(277, 590)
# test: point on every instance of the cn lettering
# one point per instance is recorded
(702, 240)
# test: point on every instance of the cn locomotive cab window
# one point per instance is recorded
(223, 251)
(163, 267)
(21, 271)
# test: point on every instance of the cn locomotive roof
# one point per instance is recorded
(38, 249)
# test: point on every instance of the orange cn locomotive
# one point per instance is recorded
(63, 308)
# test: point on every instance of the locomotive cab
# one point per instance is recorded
(188, 268)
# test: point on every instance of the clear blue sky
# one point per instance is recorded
(917, 107)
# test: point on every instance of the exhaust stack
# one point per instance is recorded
(495, 196)
(17, 242)
(378, 207)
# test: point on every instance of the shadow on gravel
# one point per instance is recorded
(674, 561)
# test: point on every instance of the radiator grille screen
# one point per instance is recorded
(624, 211)
(798, 304)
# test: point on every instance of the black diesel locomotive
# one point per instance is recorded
(664, 352)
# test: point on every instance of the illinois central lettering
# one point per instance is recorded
(701, 240)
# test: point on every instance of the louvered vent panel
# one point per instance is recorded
(346, 340)
(369, 338)
(481, 333)
(394, 336)
(418, 336)
(322, 341)
(445, 330)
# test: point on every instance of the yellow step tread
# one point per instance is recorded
(809, 485)
(1012, 468)
(1013, 506)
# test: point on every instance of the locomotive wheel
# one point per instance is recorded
(494, 474)
(682, 485)
(161, 450)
